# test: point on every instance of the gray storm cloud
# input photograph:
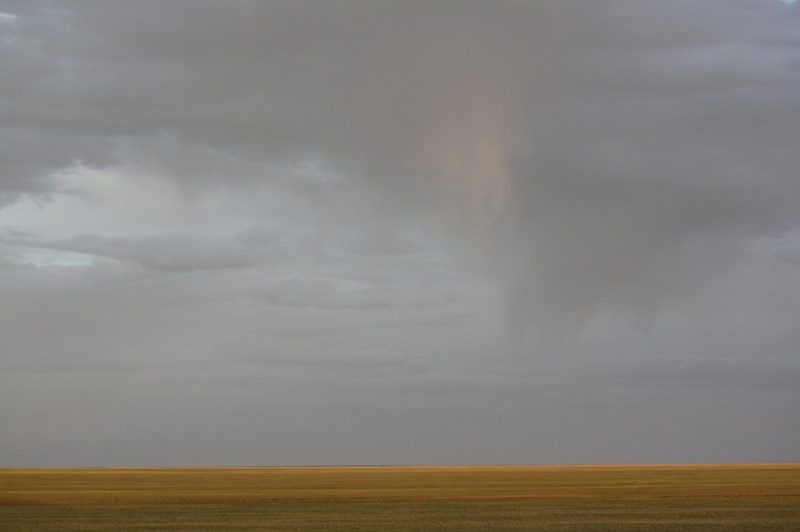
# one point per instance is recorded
(398, 231)
(613, 168)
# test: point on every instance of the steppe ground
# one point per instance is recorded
(611, 497)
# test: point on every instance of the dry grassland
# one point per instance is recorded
(612, 497)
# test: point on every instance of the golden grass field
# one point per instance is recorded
(611, 497)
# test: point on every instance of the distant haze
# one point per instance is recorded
(366, 232)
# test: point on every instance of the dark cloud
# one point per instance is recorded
(694, 370)
(370, 195)
(169, 253)
(347, 294)
(653, 134)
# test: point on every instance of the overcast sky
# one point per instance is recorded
(378, 232)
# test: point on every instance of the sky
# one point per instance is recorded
(399, 232)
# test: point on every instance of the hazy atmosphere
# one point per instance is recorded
(409, 231)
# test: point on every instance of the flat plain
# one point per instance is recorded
(512, 497)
